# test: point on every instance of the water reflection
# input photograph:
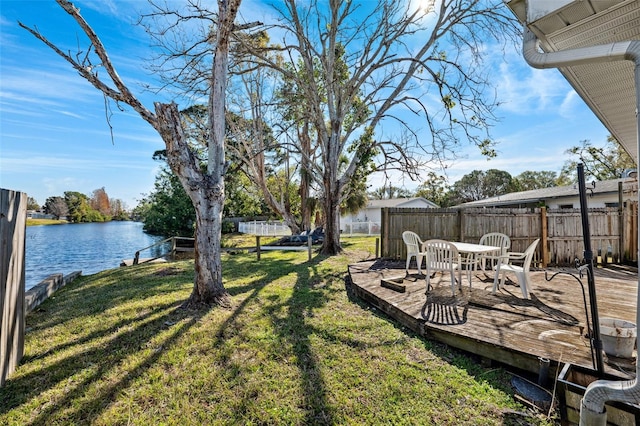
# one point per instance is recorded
(89, 247)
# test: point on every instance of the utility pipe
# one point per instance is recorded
(594, 335)
(619, 51)
(592, 412)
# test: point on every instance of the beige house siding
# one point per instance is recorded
(372, 212)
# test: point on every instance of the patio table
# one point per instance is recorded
(470, 251)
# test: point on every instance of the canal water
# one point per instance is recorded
(86, 247)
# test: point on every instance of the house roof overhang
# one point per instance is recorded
(608, 88)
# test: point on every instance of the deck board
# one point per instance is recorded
(503, 326)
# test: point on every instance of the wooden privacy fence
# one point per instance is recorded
(614, 231)
(13, 220)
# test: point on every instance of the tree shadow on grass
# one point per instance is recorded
(82, 360)
(76, 380)
(87, 368)
(96, 334)
(95, 294)
(294, 331)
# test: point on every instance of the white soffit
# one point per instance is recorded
(540, 8)
(607, 88)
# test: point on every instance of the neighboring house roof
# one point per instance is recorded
(606, 87)
(546, 194)
(399, 202)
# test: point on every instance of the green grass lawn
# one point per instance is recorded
(115, 348)
(35, 222)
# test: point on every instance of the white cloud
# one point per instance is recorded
(523, 91)
(44, 84)
(59, 185)
(100, 160)
(570, 103)
(120, 9)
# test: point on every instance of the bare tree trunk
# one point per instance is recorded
(305, 176)
(208, 287)
(207, 195)
(205, 189)
(332, 192)
(331, 207)
(257, 171)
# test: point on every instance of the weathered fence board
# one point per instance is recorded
(45, 288)
(13, 220)
(614, 232)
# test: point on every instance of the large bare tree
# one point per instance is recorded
(269, 147)
(254, 144)
(204, 187)
(273, 135)
(360, 65)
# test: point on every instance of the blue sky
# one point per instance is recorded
(54, 136)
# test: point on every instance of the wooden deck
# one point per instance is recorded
(503, 326)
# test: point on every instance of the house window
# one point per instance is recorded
(566, 206)
(611, 204)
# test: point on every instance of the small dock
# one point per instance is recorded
(503, 327)
(178, 247)
(129, 262)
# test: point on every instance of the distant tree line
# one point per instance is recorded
(78, 207)
(481, 184)
(601, 163)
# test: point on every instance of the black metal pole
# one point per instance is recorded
(596, 342)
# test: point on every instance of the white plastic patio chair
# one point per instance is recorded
(522, 272)
(495, 239)
(414, 249)
(442, 256)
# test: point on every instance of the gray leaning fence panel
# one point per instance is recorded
(13, 219)
(566, 239)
